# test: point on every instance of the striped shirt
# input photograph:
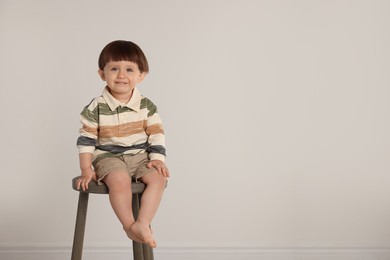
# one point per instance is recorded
(110, 128)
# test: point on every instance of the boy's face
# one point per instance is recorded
(121, 78)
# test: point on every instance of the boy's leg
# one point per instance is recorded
(119, 184)
(150, 201)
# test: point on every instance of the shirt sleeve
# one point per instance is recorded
(87, 140)
(155, 132)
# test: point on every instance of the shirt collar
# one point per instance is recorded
(134, 102)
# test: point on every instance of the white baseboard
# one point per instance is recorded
(201, 253)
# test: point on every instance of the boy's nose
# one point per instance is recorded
(120, 74)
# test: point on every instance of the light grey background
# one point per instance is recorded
(276, 116)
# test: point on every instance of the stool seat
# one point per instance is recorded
(94, 187)
(140, 251)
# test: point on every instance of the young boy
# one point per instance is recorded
(122, 137)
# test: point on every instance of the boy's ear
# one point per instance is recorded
(141, 77)
(101, 74)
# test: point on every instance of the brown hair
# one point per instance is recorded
(123, 50)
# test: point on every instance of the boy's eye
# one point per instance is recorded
(129, 70)
(114, 69)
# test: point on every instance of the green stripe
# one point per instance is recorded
(104, 109)
(148, 104)
(91, 116)
(124, 109)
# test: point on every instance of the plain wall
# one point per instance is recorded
(276, 116)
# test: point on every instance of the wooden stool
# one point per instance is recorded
(140, 251)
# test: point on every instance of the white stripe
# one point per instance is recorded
(125, 141)
(86, 122)
(157, 139)
(155, 119)
(122, 118)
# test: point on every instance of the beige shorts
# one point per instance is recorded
(135, 165)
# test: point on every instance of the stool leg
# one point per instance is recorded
(148, 252)
(137, 251)
(137, 247)
(78, 240)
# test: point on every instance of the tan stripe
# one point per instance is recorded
(154, 129)
(122, 130)
(90, 130)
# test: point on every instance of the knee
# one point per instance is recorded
(155, 179)
(118, 181)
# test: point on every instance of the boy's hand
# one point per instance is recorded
(159, 166)
(86, 177)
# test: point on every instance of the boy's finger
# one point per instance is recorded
(79, 183)
(85, 185)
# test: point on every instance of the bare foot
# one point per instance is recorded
(142, 233)
(133, 236)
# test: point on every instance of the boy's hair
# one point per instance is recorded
(123, 50)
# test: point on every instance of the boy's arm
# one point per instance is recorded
(156, 147)
(155, 132)
(156, 140)
(86, 144)
(87, 172)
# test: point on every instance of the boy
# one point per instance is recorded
(122, 138)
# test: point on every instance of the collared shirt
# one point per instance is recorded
(111, 128)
